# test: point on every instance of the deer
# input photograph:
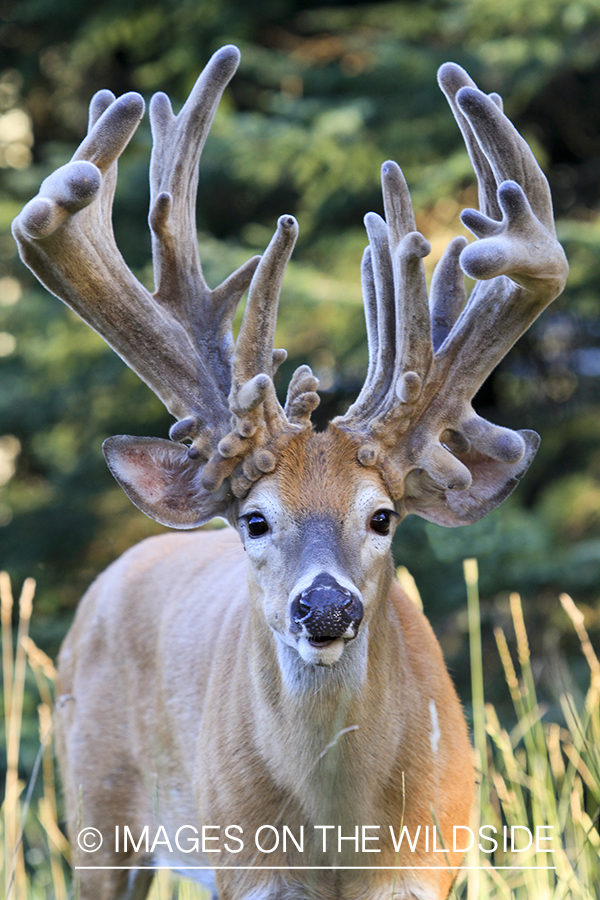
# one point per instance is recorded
(260, 706)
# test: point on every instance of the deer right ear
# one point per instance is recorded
(162, 480)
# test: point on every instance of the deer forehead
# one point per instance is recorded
(319, 476)
(349, 507)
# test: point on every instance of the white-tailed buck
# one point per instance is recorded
(282, 719)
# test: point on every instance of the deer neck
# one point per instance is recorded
(316, 725)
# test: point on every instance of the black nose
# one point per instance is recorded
(326, 610)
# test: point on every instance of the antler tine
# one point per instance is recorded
(98, 105)
(178, 142)
(451, 78)
(447, 293)
(371, 319)
(260, 427)
(379, 269)
(254, 349)
(408, 247)
(497, 150)
(396, 308)
(372, 323)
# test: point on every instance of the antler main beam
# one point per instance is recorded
(413, 418)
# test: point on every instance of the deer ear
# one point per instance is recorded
(161, 479)
(492, 482)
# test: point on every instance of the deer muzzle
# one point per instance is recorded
(325, 611)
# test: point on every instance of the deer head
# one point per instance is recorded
(411, 443)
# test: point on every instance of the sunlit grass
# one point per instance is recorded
(538, 774)
(26, 826)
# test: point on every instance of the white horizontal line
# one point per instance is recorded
(312, 868)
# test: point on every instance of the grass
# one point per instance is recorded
(541, 775)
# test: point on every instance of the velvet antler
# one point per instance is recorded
(413, 418)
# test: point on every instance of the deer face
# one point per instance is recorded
(318, 534)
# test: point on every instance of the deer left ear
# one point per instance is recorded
(159, 477)
(492, 482)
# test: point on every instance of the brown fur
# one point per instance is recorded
(173, 709)
(327, 461)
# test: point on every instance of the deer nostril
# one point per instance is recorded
(301, 610)
(325, 610)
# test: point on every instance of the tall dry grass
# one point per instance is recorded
(540, 773)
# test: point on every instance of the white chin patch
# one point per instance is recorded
(321, 656)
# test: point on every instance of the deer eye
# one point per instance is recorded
(257, 525)
(382, 521)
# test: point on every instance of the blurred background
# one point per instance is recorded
(325, 93)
